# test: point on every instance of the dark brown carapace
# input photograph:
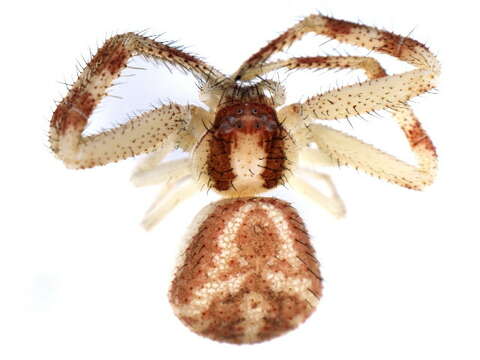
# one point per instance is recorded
(247, 142)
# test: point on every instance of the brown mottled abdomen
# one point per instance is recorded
(248, 274)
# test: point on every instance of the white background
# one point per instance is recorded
(79, 277)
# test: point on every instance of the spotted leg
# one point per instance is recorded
(145, 133)
(364, 97)
(368, 37)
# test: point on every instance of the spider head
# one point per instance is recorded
(218, 94)
(246, 150)
(245, 117)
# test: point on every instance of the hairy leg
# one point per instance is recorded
(370, 65)
(380, 92)
(347, 150)
(146, 132)
(368, 37)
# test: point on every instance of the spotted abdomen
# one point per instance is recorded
(248, 273)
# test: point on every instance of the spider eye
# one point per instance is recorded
(254, 111)
(270, 124)
(239, 111)
(257, 125)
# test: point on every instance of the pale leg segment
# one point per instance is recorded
(347, 150)
(330, 202)
(314, 158)
(152, 160)
(171, 194)
(143, 134)
(176, 183)
(350, 101)
(165, 172)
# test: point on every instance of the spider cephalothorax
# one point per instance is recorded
(246, 147)
(249, 272)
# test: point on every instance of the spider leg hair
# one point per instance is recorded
(370, 65)
(145, 133)
(152, 160)
(380, 92)
(347, 150)
(403, 48)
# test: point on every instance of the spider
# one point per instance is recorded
(248, 272)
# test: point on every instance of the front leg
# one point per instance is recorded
(146, 132)
(368, 37)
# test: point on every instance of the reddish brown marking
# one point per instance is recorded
(112, 56)
(258, 242)
(175, 56)
(201, 251)
(73, 111)
(248, 118)
(418, 137)
(219, 166)
(274, 168)
(172, 52)
(271, 47)
(227, 326)
(311, 61)
(335, 27)
(398, 46)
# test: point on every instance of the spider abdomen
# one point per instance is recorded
(248, 273)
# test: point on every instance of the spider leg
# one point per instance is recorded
(310, 157)
(371, 66)
(201, 121)
(145, 133)
(378, 93)
(332, 202)
(368, 37)
(347, 150)
(165, 172)
(171, 194)
(152, 160)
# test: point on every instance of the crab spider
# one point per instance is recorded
(248, 272)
